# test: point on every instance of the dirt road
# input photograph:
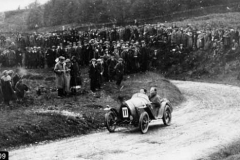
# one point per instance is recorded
(208, 120)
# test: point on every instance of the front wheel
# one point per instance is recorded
(167, 116)
(110, 121)
(144, 122)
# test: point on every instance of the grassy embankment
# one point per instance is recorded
(228, 152)
(45, 117)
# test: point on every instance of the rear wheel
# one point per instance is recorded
(167, 116)
(110, 121)
(144, 122)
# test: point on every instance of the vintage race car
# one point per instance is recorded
(139, 112)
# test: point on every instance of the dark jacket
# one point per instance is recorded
(20, 90)
(156, 100)
(119, 69)
(15, 79)
(93, 71)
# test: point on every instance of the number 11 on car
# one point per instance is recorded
(4, 155)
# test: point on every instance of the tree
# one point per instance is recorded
(58, 12)
(35, 17)
(118, 10)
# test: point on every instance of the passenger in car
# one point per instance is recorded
(156, 100)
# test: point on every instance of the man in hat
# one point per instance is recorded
(105, 60)
(156, 101)
(75, 75)
(93, 75)
(155, 59)
(70, 51)
(19, 56)
(144, 57)
(16, 78)
(100, 70)
(136, 52)
(79, 54)
(59, 70)
(119, 69)
(129, 59)
(61, 51)
(51, 56)
(111, 64)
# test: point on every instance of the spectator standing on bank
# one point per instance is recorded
(100, 71)
(93, 75)
(75, 74)
(67, 76)
(16, 78)
(111, 72)
(19, 55)
(119, 68)
(59, 70)
(6, 86)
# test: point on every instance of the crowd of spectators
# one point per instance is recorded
(38, 50)
(138, 48)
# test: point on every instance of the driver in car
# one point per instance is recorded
(139, 99)
(156, 101)
(143, 95)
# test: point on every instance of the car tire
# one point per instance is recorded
(110, 121)
(144, 122)
(167, 116)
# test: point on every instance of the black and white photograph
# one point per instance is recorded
(119, 80)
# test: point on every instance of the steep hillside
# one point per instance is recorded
(14, 21)
(223, 20)
(18, 18)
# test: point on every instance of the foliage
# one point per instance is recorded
(58, 12)
(12, 13)
(35, 16)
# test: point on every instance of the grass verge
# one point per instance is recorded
(229, 152)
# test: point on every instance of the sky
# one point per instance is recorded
(8, 5)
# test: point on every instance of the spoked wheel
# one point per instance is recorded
(144, 122)
(167, 116)
(110, 121)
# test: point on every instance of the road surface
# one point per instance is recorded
(203, 124)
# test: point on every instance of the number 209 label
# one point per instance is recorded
(4, 155)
